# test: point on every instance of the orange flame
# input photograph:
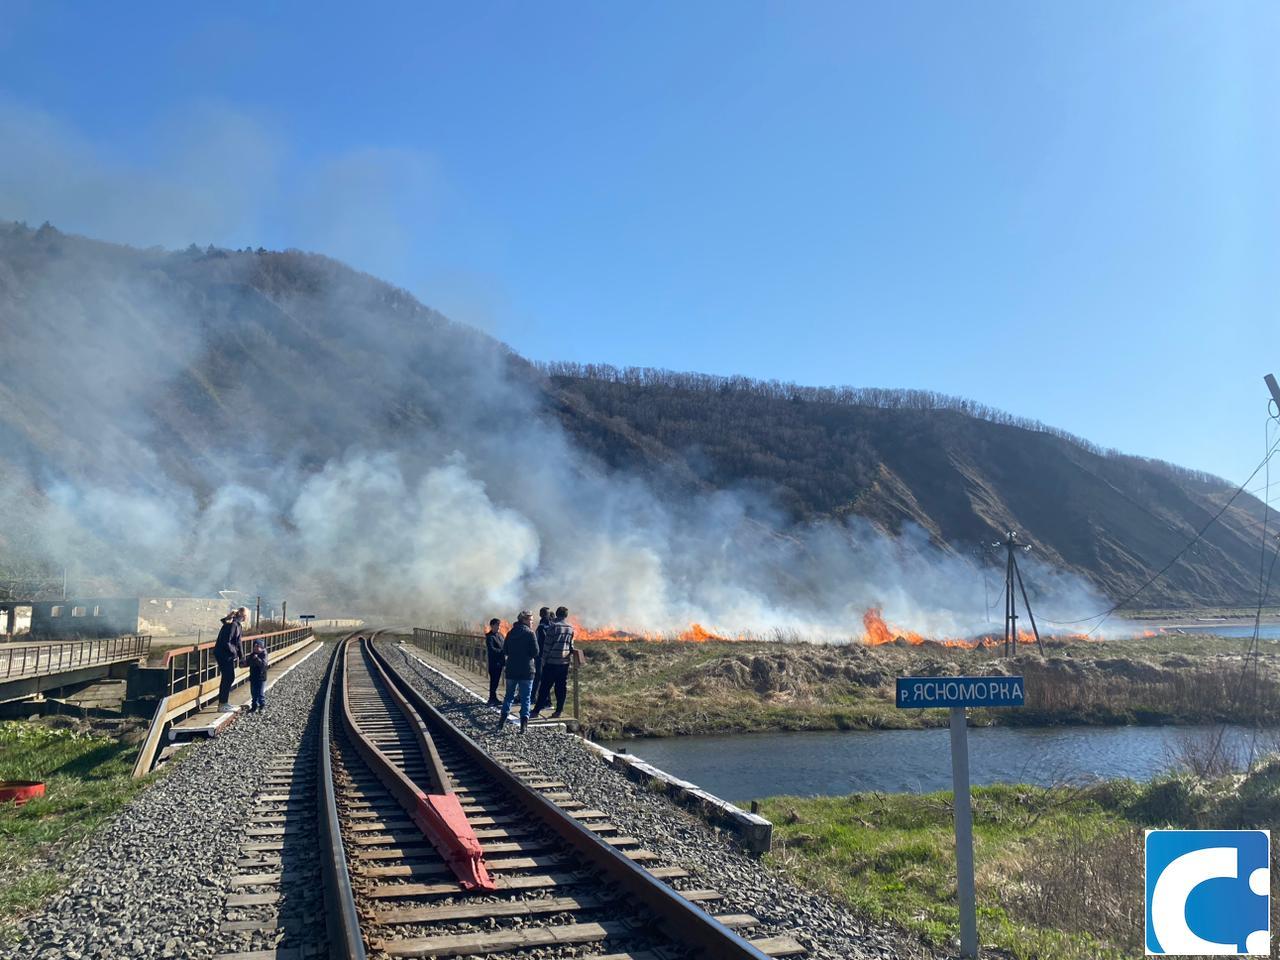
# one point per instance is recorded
(694, 633)
(878, 633)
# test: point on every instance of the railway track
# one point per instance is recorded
(430, 847)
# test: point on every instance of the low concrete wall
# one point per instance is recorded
(753, 831)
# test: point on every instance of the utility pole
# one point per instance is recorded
(1012, 574)
(1010, 606)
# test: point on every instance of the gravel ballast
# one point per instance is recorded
(153, 883)
(828, 929)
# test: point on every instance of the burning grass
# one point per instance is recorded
(876, 632)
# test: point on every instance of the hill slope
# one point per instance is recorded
(965, 479)
(194, 419)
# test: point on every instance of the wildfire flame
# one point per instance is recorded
(876, 632)
(694, 633)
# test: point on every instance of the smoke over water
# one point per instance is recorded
(187, 422)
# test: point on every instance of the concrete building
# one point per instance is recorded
(114, 616)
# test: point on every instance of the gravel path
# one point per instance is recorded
(828, 929)
(153, 883)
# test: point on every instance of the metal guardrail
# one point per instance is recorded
(467, 651)
(45, 659)
(192, 666)
(461, 649)
(193, 680)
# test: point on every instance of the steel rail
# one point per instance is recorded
(438, 815)
(430, 756)
(341, 916)
(681, 920)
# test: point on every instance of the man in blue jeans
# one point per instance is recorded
(521, 650)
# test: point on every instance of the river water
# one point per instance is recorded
(1266, 631)
(748, 766)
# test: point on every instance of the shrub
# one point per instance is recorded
(1085, 882)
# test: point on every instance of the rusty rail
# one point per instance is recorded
(438, 814)
(46, 659)
(684, 922)
(192, 666)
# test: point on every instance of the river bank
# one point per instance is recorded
(1059, 870)
(645, 689)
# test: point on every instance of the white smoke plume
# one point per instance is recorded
(364, 455)
(480, 507)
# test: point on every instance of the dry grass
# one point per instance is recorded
(663, 689)
(1084, 880)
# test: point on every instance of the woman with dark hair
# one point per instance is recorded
(227, 654)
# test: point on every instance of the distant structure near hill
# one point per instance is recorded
(112, 616)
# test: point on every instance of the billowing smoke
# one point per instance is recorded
(186, 422)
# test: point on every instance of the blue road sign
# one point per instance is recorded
(915, 692)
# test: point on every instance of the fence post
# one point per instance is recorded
(575, 685)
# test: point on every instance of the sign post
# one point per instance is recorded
(957, 693)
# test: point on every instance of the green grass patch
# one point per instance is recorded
(892, 858)
(1058, 869)
(88, 778)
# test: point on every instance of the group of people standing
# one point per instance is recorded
(536, 663)
(228, 653)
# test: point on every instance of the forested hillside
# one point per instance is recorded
(962, 472)
(152, 398)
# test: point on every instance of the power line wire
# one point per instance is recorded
(1102, 617)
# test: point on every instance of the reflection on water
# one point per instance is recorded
(808, 764)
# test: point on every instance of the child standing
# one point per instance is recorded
(258, 676)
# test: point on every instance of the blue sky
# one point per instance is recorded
(1069, 211)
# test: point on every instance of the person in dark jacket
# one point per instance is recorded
(544, 620)
(227, 654)
(521, 650)
(493, 647)
(556, 657)
(258, 676)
